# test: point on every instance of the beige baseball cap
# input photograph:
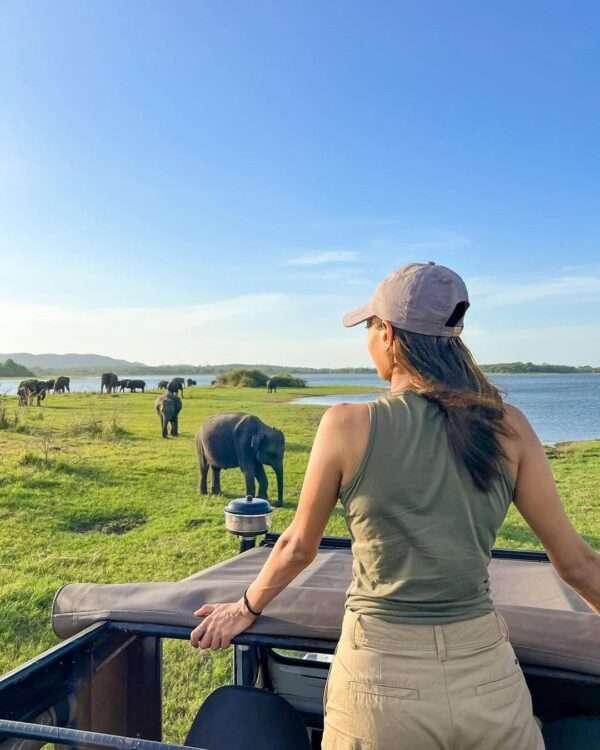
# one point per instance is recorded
(419, 297)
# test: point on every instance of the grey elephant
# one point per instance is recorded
(176, 386)
(62, 384)
(162, 385)
(109, 381)
(229, 440)
(190, 382)
(31, 389)
(123, 384)
(272, 385)
(134, 385)
(168, 406)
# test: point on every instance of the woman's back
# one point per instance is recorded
(422, 532)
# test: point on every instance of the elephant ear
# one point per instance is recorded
(256, 440)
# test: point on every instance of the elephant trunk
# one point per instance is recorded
(278, 469)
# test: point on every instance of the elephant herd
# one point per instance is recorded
(110, 383)
(224, 441)
(32, 389)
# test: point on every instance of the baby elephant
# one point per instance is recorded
(168, 407)
(228, 440)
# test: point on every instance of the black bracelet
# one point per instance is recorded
(248, 607)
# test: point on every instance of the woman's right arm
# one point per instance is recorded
(538, 501)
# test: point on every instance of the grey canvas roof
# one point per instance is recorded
(550, 625)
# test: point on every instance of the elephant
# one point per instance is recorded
(48, 384)
(176, 386)
(272, 385)
(62, 384)
(30, 389)
(228, 440)
(109, 381)
(133, 385)
(122, 384)
(168, 406)
(191, 382)
(163, 384)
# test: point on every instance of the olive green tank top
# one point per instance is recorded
(421, 531)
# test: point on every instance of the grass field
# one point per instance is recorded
(90, 491)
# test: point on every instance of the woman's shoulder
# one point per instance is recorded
(347, 416)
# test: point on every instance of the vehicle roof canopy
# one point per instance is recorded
(550, 625)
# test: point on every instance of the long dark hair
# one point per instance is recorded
(443, 370)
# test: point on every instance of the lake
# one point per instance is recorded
(560, 407)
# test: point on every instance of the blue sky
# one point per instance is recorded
(211, 182)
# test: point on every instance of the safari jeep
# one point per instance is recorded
(101, 687)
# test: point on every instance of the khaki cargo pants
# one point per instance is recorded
(456, 686)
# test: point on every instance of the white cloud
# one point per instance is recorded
(151, 334)
(489, 293)
(323, 258)
(282, 329)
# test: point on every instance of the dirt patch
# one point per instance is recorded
(108, 523)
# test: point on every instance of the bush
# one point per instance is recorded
(93, 425)
(285, 380)
(243, 378)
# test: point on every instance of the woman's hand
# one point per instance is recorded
(221, 623)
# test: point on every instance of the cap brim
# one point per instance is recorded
(357, 316)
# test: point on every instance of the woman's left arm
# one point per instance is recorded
(297, 546)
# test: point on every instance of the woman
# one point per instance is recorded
(425, 475)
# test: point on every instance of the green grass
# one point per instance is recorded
(90, 491)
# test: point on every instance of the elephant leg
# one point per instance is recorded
(175, 427)
(203, 465)
(250, 483)
(164, 423)
(263, 482)
(216, 480)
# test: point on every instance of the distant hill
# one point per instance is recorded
(66, 363)
(11, 369)
(529, 367)
(94, 364)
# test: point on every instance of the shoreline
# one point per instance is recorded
(83, 374)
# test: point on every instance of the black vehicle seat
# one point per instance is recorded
(574, 733)
(246, 718)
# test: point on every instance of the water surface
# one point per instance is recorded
(560, 407)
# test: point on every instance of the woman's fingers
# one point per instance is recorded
(205, 610)
(207, 639)
(221, 623)
(196, 635)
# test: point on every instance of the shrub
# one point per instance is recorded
(285, 380)
(91, 426)
(243, 378)
(94, 426)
